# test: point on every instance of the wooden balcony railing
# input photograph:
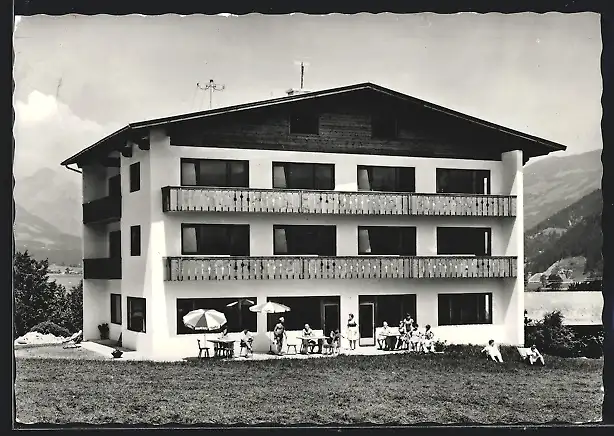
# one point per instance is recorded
(103, 210)
(356, 267)
(106, 268)
(186, 199)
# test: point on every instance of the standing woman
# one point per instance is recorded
(352, 331)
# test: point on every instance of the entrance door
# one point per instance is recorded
(331, 317)
(366, 324)
(115, 244)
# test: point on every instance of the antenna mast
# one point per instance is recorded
(211, 86)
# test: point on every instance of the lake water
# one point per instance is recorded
(66, 280)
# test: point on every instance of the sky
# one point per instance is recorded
(79, 78)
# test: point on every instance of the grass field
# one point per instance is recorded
(457, 386)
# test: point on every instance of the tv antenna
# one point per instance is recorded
(211, 86)
(303, 65)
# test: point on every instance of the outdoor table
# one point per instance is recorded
(220, 346)
(318, 338)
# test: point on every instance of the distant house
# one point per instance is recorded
(354, 200)
(534, 282)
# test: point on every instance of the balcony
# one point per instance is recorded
(103, 210)
(102, 268)
(356, 267)
(201, 199)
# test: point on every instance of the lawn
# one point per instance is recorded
(457, 387)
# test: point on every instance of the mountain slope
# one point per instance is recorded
(572, 232)
(53, 196)
(553, 183)
(43, 240)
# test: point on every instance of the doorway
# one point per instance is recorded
(366, 324)
(331, 317)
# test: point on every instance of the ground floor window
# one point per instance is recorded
(458, 309)
(116, 309)
(237, 312)
(136, 314)
(321, 313)
(389, 308)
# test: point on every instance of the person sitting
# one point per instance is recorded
(383, 336)
(534, 356)
(246, 342)
(492, 352)
(307, 343)
(415, 338)
(428, 340)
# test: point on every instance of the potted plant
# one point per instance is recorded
(104, 331)
(117, 353)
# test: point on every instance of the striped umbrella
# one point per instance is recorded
(204, 319)
(270, 307)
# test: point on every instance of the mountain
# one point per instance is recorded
(555, 182)
(53, 196)
(574, 232)
(44, 240)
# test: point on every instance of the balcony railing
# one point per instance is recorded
(106, 268)
(103, 210)
(202, 199)
(356, 267)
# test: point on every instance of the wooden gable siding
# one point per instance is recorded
(345, 127)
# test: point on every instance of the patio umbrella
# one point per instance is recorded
(270, 307)
(204, 319)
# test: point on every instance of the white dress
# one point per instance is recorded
(352, 330)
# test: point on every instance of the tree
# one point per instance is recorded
(69, 309)
(555, 281)
(35, 296)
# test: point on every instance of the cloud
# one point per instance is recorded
(47, 132)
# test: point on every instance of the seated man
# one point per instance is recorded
(307, 343)
(383, 336)
(492, 352)
(534, 356)
(428, 340)
(246, 341)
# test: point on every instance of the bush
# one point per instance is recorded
(48, 327)
(551, 337)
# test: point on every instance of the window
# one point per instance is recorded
(136, 314)
(456, 181)
(135, 177)
(305, 240)
(215, 239)
(464, 241)
(386, 179)
(382, 240)
(307, 310)
(115, 244)
(215, 173)
(288, 175)
(116, 309)
(237, 312)
(384, 126)
(459, 309)
(390, 308)
(135, 240)
(305, 122)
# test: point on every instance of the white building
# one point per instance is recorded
(350, 200)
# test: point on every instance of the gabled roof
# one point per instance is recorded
(110, 142)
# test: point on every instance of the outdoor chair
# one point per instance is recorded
(74, 341)
(328, 348)
(201, 349)
(292, 345)
(243, 345)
